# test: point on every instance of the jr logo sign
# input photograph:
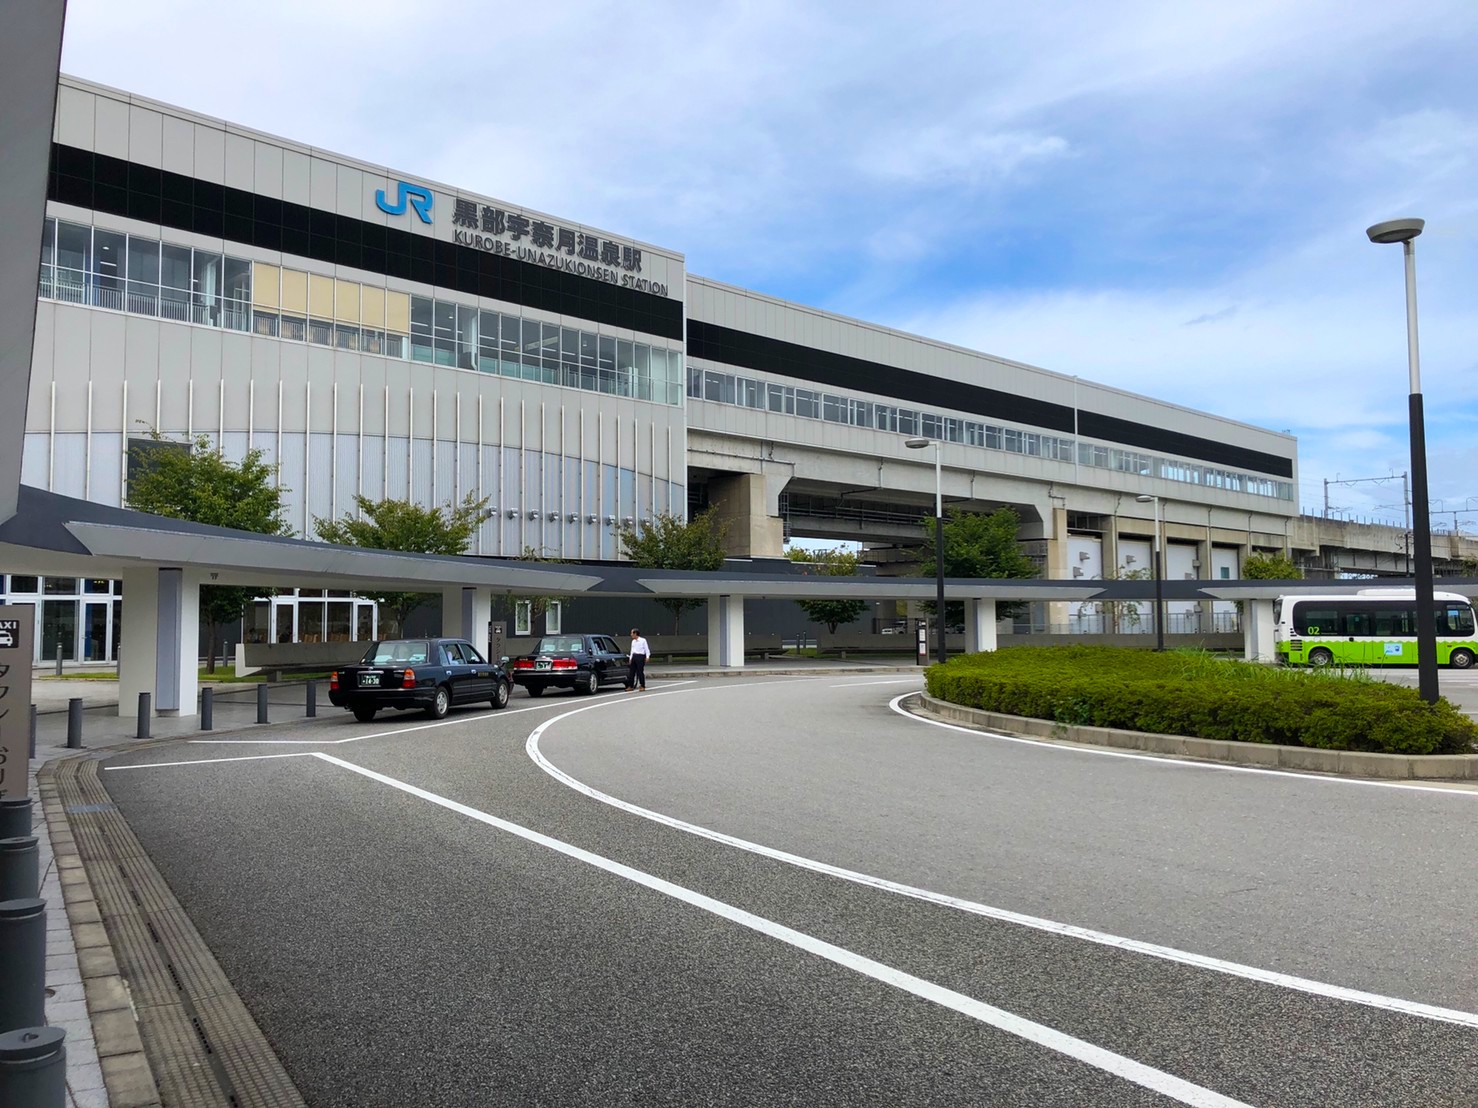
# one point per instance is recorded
(419, 198)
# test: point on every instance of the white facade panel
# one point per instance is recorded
(110, 127)
(145, 137)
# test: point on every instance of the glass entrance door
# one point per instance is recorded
(58, 629)
(95, 631)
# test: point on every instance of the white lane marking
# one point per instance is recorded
(360, 738)
(890, 681)
(1170, 760)
(1116, 1064)
(212, 761)
(1004, 915)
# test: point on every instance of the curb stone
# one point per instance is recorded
(1349, 763)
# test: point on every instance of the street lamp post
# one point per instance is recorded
(919, 444)
(1159, 574)
(1405, 231)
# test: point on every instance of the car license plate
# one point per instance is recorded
(543, 663)
(369, 679)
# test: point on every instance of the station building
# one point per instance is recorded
(376, 333)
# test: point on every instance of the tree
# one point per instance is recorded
(978, 545)
(1270, 567)
(405, 526)
(194, 480)
(671, 542)
(831, 563)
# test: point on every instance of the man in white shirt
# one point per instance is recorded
(636, 678)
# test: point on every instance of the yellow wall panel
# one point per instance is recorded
(397, 312)
(373, 301)
(264, 285)
(294, 292)
(320, 296)
(346, 301)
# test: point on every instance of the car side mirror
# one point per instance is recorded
(503, 661)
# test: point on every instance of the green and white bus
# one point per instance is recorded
(1373, 627)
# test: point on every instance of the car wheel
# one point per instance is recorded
(501, 695)
(1461, 659)
(364, 712)
(1320, 658)
(588, 684)
(437, 709)
(535, 690)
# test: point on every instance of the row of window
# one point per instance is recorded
(746, 392)
(81, 264)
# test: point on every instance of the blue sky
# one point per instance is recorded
(1169, 198)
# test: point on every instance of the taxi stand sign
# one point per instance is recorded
(17, 622)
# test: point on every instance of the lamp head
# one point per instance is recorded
(1396, 230)
(917, 444)
(1147, 498)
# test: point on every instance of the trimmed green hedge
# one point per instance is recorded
(1195, 694)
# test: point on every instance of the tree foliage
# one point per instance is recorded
(830, 563)
(671, 542)
(977, 544)
(405, 526)
(193, 480)
(1270, 567)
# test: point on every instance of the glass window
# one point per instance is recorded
(860, 413)
(421, 313)
(466, 337)
(321, 331)
(511, 342)
(782, 399)
(975, 433)
(293, 327)
(807, 404)
(48, 243)
(589, 362)
(143, 276)
(264, 323)
(444, 332)
(174, 282)
(549, 353)
(74, 246)
(61, 586)
(754, 393)
(25, 584)
(607, 360)
(487, 342)
(834, 408)
(345, 337)
(569, 357)
(933, 426)
(908, 421)
(643, 370)
(207, 299)
(108, 268)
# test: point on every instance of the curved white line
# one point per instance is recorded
(1067, 930)
(1170, 759)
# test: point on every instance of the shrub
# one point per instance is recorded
(1196, 694)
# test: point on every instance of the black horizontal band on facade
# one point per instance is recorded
(100, 182)
(739, 349)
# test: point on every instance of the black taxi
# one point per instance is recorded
(429, 674)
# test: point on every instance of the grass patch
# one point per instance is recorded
(1199, 695)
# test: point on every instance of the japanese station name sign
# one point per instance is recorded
(536, 241)
(483, 227)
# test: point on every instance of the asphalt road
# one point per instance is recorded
(782, 891)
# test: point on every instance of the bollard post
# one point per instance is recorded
(312, 695)
(33, 730)
(58, 655)
(207, 708)
(33, 1067)
(262, 703)
(146, 710)
(20, 868)
(74, 723)
(22, 963)
(15, 818)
